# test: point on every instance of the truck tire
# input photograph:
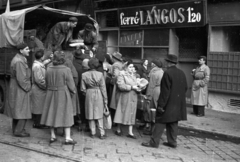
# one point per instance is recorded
(3, 94)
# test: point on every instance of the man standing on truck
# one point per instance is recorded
(60, 34)
(18, 103)
(89, 37)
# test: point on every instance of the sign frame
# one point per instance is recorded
(167, 15)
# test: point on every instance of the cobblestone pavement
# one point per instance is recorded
(10, 153)
(117, 149)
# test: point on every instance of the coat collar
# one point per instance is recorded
(23, 58)
(39, 63)
(202, 67)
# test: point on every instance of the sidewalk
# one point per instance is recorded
(214, 122)
(124, 149)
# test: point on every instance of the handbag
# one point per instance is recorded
(107, 120)
(142, 102)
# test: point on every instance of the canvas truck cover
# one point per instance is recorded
(12, 24)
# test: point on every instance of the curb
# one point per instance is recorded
(40, 151)
(213, 135)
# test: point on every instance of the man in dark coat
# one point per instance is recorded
(77, 62)
(171, 105)
(60, 34)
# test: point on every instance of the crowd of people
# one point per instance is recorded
(59, 92)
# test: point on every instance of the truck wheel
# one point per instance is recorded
(3, 95)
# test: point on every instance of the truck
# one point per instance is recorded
(18, 26)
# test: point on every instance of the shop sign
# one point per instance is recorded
(131, 38)
(184, 14)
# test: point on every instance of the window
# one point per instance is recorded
(225, 39)
(156, 37)
(224, 58)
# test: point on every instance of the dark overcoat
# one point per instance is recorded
(173, 96)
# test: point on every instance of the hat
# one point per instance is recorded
(93, 63)
(73, 19)
(21, 46)
(117, 56)
(85, 64)
(157, 62)
(172, 58)
(88, 27)
(78, 53)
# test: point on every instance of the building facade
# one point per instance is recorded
(152, 29)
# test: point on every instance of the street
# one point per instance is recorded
(113, 149)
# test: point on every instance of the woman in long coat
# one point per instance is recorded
(153, 92)
(93, 85)
(18, 105)
(38, 88)
(199, 96)
(127, 101)
(58, 107)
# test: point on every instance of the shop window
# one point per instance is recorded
(133, 53)
(131, 38)
(111, 37)
(155, 53)
(224, 58)
(192, 43)
(225, 39)
(156, 37)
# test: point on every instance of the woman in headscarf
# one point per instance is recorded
(93, 85)
(58, 106)
(127, 101)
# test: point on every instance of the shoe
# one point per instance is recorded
(131, 136)
(200, 115)
(118, 133)
(148, 144)
(169, 145)
(87, 130)
(70, 142)
(193, 113)
(52, 140)
(103, 137)
(92, 135)
(147, 133)
(22, 134)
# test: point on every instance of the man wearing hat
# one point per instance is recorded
(153, 92)
(116, 68)
(18, 103)
(60, 34)
(89, 37)
(171, 104)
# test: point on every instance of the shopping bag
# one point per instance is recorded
(107, 121)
